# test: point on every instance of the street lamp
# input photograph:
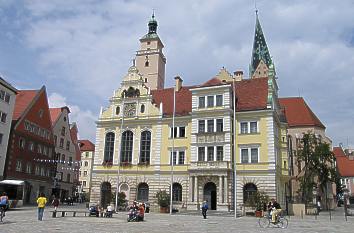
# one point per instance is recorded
(234, 141)
(173, 147)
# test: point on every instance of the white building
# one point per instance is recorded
(87, 149)
(7, 103)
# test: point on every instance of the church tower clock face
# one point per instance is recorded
(130, 109)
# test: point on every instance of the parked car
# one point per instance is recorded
(94, 211)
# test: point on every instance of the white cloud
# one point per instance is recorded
(85, 119)
(82, 48)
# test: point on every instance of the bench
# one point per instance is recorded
(64, 213)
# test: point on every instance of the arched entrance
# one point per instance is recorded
(106, 194)
(249, 193)
(210, 194)
(143, 192)
(125, 189)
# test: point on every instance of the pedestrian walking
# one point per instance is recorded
(205, 208)
(41, 201)
(55, 203)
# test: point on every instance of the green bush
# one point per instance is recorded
(163, 198)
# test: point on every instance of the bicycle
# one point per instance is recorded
(280, 221)
(2, 213)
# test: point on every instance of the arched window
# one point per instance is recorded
(142, 108)
(143, 192)
(249, 193)
(147, 63)
(145, 145)
(176, 192)
(109, 147)
(117, 110)
(127, 147)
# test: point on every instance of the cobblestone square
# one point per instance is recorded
(25, 220)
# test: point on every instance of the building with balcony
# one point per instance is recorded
(151, 137)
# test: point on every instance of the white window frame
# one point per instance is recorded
(206, 153)
(177, 157)
(249, 155)
(201, 97)
(248, 127)
(178, 128)
(222, 100)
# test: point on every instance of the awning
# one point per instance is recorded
(12, 182)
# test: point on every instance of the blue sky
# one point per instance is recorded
(81, 49)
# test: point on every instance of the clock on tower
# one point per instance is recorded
(130, 110)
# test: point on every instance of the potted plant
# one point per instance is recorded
(163, 199)
(261, 199)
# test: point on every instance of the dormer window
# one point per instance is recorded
(142, 108)
(146, 63)
(117, 110)
(148, 43)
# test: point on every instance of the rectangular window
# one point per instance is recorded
(202, 102)
(55, 140)
(70, 161)
(1, 136)
(61, 145)
(84, 183)
(210, 153)
(39, 148)
(67, 145)
(42, 171)
(244, 155)
(31, 146)
(7, 98)
(2, 94)
(37, 171)
(174, 158)
(22, 143)
(61, 176)
(219, 100)
(219, 125)
(29, 168)
(85, 173)
(62, 158)
(210, 126)
(68, 178)
(201, 153)
(253, 127)
(244, 127)
(181, 158)
(63, 131)
(219, 153)
(3, 117)
(182, 132)
(201, 126)
(18, 166)
(86, 154)
(254, 155)
(210, 101)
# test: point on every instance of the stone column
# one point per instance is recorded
(225, 190)
(196, 193)
(220, 193)
(190, 188)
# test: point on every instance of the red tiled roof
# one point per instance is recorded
(54, 114)
(23, 99)
(86, 145)
(345, 166)
(212, 82)
(298, 113)
(251, 94)
(183, 100)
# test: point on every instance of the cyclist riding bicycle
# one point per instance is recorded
(4, 200)
(276, 209)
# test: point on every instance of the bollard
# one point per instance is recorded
(302, 214)
(54, 215)
(330, 215)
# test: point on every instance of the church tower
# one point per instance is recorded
(150, 60)
(261, 61)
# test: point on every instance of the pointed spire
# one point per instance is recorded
(260, 50)
(152, 23)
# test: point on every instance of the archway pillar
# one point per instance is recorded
(220, 193)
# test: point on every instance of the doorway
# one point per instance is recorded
(210, 195)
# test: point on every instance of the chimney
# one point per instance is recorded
(179, 82)
(238, 74)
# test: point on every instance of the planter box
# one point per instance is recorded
(258, 213)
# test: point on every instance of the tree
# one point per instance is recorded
(318, 169)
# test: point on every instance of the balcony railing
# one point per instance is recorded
(210, 165)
